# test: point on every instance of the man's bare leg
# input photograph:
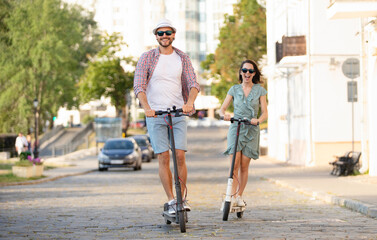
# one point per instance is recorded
(165, 174)
(182, 169)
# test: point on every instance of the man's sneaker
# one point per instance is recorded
(240, 202)
(172, 205)
(186, 206)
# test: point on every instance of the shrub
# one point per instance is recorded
(24, 155)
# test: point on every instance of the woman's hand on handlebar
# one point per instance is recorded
(227, 117)
(254, 121)
(150, 113)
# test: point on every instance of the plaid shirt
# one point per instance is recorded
(147, 63)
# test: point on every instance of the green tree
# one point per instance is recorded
(44, 50)
(242, 37)
(106, 77)
(5, 9)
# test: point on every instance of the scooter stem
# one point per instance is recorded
(235, 150)
(229, 190)
(176, 176)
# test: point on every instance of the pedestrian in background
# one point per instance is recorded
(248, 97)
(164, 77)
(21, 143)
(28, 138)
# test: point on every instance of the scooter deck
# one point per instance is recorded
(234, 209)
(169, 218)
(237, 209)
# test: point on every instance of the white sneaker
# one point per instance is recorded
(240, 202)
(172, 206)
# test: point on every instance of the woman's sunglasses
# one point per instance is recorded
(244, 70)
(161, 33)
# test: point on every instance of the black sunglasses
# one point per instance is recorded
(244, 70)
(161, 33)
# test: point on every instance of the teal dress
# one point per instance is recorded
(245, 107)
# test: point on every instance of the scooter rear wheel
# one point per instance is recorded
(226, 210)
(182, 221)
(239, 214)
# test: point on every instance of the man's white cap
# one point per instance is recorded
(163, 23)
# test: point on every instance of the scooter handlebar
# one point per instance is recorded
(243, 120)
(178, 112)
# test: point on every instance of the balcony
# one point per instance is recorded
(290, 46)
(338, 9)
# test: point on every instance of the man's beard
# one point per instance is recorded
(170, 41)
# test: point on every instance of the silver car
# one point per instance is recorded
(120, 152)
(145, 146)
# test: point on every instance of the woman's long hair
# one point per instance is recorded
(257, 76)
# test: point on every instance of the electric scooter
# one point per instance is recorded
(227, 202)
(180, 216)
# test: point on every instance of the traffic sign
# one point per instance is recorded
(351, 68)
(352, 91)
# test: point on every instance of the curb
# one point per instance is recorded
(44, 180)
(363, 208)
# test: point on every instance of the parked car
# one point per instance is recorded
(146, 148)
(149, 139)
(138, 124)
(120, 152)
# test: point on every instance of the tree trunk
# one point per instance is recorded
(125, 120)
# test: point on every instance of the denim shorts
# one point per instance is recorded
(159, 133)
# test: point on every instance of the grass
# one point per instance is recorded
(136, 131)
(6, 166)
(9, 178)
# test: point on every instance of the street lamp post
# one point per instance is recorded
(35, 103)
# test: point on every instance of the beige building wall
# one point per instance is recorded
(325, 152)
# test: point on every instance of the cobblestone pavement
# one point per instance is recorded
(126, 204)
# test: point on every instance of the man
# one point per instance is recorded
(164, 77)
(21, 143)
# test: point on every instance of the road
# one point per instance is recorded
(126, 204)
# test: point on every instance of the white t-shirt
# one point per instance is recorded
(164, 89)
(21, 143)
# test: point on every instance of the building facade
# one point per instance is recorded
(316, 108)
(310, 117)
(366, 13)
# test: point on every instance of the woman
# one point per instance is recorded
(247, 97)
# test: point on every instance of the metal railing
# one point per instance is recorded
(80, 138)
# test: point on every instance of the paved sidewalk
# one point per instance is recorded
(358, 193)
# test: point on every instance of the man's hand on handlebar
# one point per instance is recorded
(150, 113)
(187, 108)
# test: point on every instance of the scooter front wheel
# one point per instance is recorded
(226, 210)
(182, 221)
